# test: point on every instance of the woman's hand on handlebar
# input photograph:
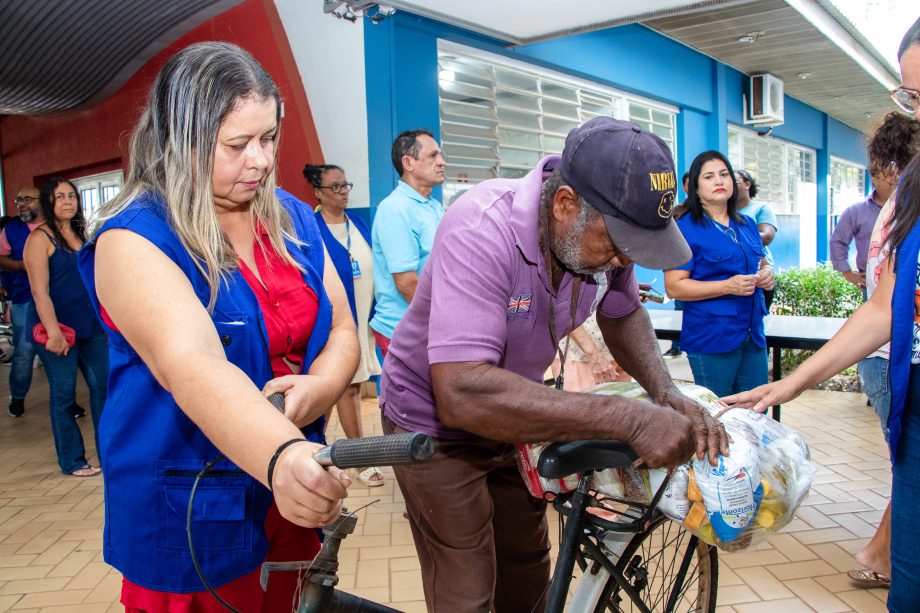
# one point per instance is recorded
(306, 493)
(302, 395)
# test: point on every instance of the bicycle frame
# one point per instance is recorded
(600, 566)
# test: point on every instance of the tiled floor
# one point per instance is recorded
(50, 525)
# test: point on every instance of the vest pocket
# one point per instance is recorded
(222, 514)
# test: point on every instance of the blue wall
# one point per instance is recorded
(402, 93)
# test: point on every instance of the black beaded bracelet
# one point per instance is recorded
(271, 463)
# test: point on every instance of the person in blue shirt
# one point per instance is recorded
(762, 215)
(403, 229)
(16, 283)
(722, 285)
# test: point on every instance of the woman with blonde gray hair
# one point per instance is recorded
(215, 292)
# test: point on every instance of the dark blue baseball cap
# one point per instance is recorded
(627, 174)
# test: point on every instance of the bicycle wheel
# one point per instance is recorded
(651, 563)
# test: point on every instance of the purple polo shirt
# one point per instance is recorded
(856, 222)
(484, 296)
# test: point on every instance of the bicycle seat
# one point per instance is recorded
(563, 459)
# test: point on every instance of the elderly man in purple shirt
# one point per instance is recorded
(516, 265)
(857, 222)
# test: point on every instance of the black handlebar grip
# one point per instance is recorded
(405, 448)
(277, 400)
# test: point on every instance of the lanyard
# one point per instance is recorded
(347, 235)
(576, 286)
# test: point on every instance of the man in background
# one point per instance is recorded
(855, 224)
(403, 230)
(16, 283)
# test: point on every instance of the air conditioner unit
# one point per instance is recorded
(764, 104)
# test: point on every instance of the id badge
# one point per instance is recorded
(355, 268)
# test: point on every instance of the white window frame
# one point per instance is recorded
(842, 197)
(782, 200)
(483, 154)
(95, 190)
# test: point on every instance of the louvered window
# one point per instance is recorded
(500, 117)
(785, 173)
(848, 184)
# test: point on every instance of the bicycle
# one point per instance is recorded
(637, 561)
(641, 561)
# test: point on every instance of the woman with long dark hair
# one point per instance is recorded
(72, 338)
(722, 285)
(889, 314)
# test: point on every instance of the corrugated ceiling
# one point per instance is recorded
(788, 47)
(63, 54)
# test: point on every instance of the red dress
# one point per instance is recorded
(289, 308)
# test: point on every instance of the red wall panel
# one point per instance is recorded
(84, 142)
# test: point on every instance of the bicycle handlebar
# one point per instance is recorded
(389, 450)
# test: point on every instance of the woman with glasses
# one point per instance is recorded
(72, 338)
(888, 315)
(722, 285)
(348, 242)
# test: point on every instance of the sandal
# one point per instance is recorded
(868, 578)
(371, 477)
(86, 471)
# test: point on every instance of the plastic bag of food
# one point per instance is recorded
(749, 495)
(527, 457)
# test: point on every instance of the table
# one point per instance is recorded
(782, 332)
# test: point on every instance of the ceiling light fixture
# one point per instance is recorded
(750, 37)
(351, 10)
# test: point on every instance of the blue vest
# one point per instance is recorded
(721, 324)
(72, 306)
(902, 330)
(340, 258)
(16, 282)
(152, 450)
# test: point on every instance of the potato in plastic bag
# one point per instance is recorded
(751, 494)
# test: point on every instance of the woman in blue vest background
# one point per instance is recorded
(348, 241)
(722, 285)
(215, 292)
(59, 299)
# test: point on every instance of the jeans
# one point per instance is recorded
(91, 356)
(905, 500)
(731, 372)
(873, 374)
(23, 353)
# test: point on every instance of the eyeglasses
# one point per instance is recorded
(907, 99)
(730, 233)
(24, 199)
(337, 188)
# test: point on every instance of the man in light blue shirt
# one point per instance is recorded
(404, 228)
